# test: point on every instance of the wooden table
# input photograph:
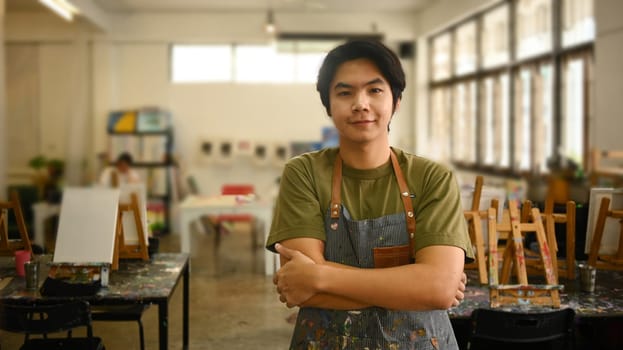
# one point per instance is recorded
(136, 282)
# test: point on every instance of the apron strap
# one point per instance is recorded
(405, 196)
(406, 202)
(336, 187)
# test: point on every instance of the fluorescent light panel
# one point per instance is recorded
(61, 7)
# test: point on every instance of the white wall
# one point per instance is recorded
(608, 124)
(128, 67)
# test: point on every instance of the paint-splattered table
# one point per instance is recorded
(606, 300)
(599, 315)
(136, 282)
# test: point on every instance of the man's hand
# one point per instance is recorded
(460, 291)
(295, 279)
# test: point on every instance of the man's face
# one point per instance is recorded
(360, 102)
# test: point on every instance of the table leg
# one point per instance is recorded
(185, 231)
(185, 305)
(163, 324)
(269, 257)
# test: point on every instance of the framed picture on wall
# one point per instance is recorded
(612, 229)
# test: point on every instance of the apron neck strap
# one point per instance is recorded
(405, 196)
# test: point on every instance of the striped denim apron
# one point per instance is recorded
(351, 242)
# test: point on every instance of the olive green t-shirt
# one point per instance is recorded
(305, 194)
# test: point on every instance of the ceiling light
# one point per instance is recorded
(270, 27)
(61, 7)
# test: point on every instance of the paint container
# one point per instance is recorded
(587, 278)
(21, 257)
(32, 274)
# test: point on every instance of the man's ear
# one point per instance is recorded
(397, 106)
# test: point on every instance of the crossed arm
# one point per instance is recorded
(306, 279)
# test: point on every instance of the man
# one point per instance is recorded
(349, 220)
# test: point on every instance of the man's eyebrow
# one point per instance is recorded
(348, 86)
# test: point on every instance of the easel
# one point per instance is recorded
(562, 267)
(7, 247)
(129, 251)
(606, 262)
(473, 217)
(521, 293)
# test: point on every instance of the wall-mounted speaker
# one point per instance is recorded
(406, 49)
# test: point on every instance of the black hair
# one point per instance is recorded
(384, 59)
(125, 157)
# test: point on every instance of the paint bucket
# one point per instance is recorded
(587, 278)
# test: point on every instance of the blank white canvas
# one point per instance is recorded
(130, 231)
(86, 228)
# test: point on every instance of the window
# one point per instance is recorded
(263, 64)
(289, 61)
(201, 63)
(514, 108)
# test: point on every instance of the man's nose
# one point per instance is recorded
(361, 102)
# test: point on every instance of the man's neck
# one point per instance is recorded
(367, 156)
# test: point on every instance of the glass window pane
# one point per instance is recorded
(441, 57)
(534, 27)
(578, 22)
(503, 123)
(275, 67)
(440, 123)
(307, 66)
(572, 146)
(495, 37)
(464, 123)
(465, 49)
(495, 133)
(201, 63)
(543, 135)
(523, 125)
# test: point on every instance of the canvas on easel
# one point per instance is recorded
(86, 228)
(131, 232)
(609, 242)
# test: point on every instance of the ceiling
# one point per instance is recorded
(133, 6)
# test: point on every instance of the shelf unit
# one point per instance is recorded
(150, 144)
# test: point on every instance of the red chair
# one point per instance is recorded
(236, 189)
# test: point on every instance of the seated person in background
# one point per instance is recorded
(121, 173)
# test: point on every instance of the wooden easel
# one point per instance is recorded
(562, 267)
(129, 251)
(523, 292)
(8, 247)
(473, 217)
(606, 262)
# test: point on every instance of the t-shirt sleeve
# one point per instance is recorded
(439, 214)
(297, 211)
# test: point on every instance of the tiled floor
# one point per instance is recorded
(232, 304)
